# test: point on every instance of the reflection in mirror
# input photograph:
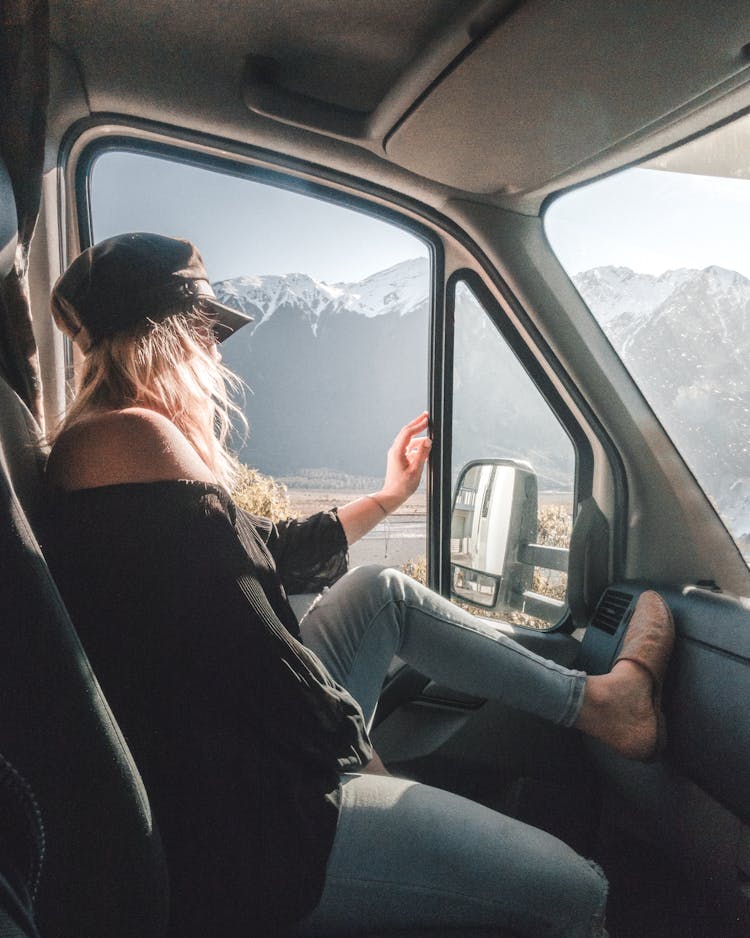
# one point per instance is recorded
(473, 586)
(489, 499)
(494, 554)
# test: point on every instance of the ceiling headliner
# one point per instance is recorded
(493, 98)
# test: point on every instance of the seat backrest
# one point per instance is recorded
(21, 853)
(104, 872)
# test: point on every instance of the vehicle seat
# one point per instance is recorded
(21, 854)
(104, 872)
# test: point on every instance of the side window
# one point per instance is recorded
(336, 360)
(513, 476)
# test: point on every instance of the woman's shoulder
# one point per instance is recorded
(130, 445)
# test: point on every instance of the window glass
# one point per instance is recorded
(660, 255)
(513, 471)
(336, 360)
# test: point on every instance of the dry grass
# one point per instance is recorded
(554, 529)
(261, 495)
(554, 526)
(416, 568)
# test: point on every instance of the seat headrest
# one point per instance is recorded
(8, 222)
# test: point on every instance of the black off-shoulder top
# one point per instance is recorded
(240, 733)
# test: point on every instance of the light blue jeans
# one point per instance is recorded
(407, 857)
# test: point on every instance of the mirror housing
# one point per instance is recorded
(494, 515)
(493, 539)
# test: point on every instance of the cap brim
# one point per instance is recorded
(226, 320)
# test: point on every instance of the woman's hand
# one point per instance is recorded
(405, 463)
(406, 459)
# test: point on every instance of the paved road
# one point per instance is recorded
(393, 542)
(415, 526)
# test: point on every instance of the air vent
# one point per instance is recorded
(611, 610)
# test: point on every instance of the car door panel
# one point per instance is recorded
(694, 803)
(707, 686)
(473, 746)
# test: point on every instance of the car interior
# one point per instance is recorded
(464, 121)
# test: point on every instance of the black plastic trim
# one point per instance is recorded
(438, 506)
(441, 544)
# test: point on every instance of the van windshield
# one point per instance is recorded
(660, 255)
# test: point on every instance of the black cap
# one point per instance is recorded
(132, 278)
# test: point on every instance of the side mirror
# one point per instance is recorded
(493, 539)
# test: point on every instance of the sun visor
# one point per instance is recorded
(560, 82)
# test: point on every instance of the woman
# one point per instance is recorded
(249, 728)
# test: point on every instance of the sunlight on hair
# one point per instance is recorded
(169, 367)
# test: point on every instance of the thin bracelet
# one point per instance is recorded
(379, 504)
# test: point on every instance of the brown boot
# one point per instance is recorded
(648, 641)
(623, 708)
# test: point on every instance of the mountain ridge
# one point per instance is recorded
(400, 288)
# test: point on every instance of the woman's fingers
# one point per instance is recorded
(416, 456)
(415, 426)
(406, 458)
(406, 433)
(422, 445)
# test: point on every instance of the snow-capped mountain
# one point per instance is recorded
(685, 337)
(399, 289)
(611, 291)
(334, 369)
(261, 296)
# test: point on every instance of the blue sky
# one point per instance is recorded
(652, 221)
(242, 227)
(645, 219)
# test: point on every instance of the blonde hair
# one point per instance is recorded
(169, 367)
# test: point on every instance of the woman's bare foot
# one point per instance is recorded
(623, 708)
